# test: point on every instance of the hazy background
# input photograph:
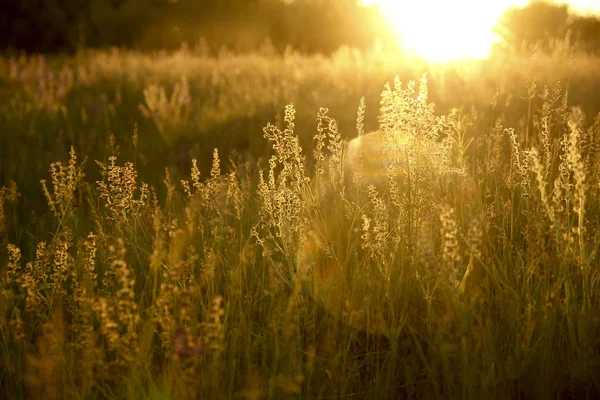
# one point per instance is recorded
(309, 26)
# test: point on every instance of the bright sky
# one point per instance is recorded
(442, 30)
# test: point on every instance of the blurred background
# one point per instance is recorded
(310, 26)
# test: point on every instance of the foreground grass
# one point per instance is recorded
(471, 273)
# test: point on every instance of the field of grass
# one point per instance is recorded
(171, 227)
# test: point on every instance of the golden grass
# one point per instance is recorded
(443, 255)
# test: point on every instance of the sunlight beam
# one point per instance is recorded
(448, 30)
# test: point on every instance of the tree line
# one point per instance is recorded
(547, 26)
(243, 25)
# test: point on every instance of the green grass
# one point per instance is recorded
(151, 266)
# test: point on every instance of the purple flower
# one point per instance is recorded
(181, 345)
(182, 348)
(198, 349)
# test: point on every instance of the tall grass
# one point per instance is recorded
(450, 254)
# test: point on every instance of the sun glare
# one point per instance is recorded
(443, 30)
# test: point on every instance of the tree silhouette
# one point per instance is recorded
(312, 26)
(586, 33)
(539, 24)
(543, 25)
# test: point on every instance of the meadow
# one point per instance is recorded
(183, 225)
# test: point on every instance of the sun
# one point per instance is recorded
(445, 30)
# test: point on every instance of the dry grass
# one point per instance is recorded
(445, 255)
